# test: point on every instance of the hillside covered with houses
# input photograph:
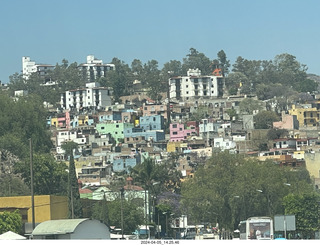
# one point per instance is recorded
(188, 113)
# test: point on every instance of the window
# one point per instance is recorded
(174, 133)
(174, 125)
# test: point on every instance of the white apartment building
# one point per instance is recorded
(92, 96)
(69, 135)
(29, 67)
(95, 68)
(194, 86)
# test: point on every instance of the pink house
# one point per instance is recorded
(289, 122)
(178, 132)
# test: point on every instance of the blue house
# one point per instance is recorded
(125, 162)
(152, 122)
(155, 135)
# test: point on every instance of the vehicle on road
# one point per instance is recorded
(256, 228)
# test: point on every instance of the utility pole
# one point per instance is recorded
(145, 209)
(122, 195)
(31, 187)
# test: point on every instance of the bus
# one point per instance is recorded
(256, 228)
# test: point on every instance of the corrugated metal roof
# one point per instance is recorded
(62, 226)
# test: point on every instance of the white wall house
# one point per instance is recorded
(69, 135)
(224, 144)
(89, 97)
(29, 67)
(194, 85)
(95, 68)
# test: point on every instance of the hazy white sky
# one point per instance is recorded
(164, 30)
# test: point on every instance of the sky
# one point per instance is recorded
(163, 30)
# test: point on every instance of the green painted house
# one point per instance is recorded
(114, 129)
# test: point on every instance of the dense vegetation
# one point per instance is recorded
(230, 188)
(282, 77)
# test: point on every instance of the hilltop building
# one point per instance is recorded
(195, 85)
(92, 96)
(29, 67)
(94, 68)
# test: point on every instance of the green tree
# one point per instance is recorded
(201, 113)
(74, 203)
(248, 106)
(290, 71)
(152, 80)
(195, 60)
(276, 133)
(305, 207)
(10, 221)
(132, 215)
(307, 85)
(12, 184)
(235, 80)
(265, 119)
(224, 62)
(120, 79)
(230, 188)
(21, 120)
(50, 177)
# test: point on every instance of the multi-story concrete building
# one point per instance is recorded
(307, 115)
(29, 67)
(92, 96)
(195, 86)
(94, 68)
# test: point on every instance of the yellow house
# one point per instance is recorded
(176, 146)
(307, 117)
(46, 207)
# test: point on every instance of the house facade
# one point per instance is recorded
(116, 130)
(155, 122)
(155, 109)
(306, 115)
(178, 132)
